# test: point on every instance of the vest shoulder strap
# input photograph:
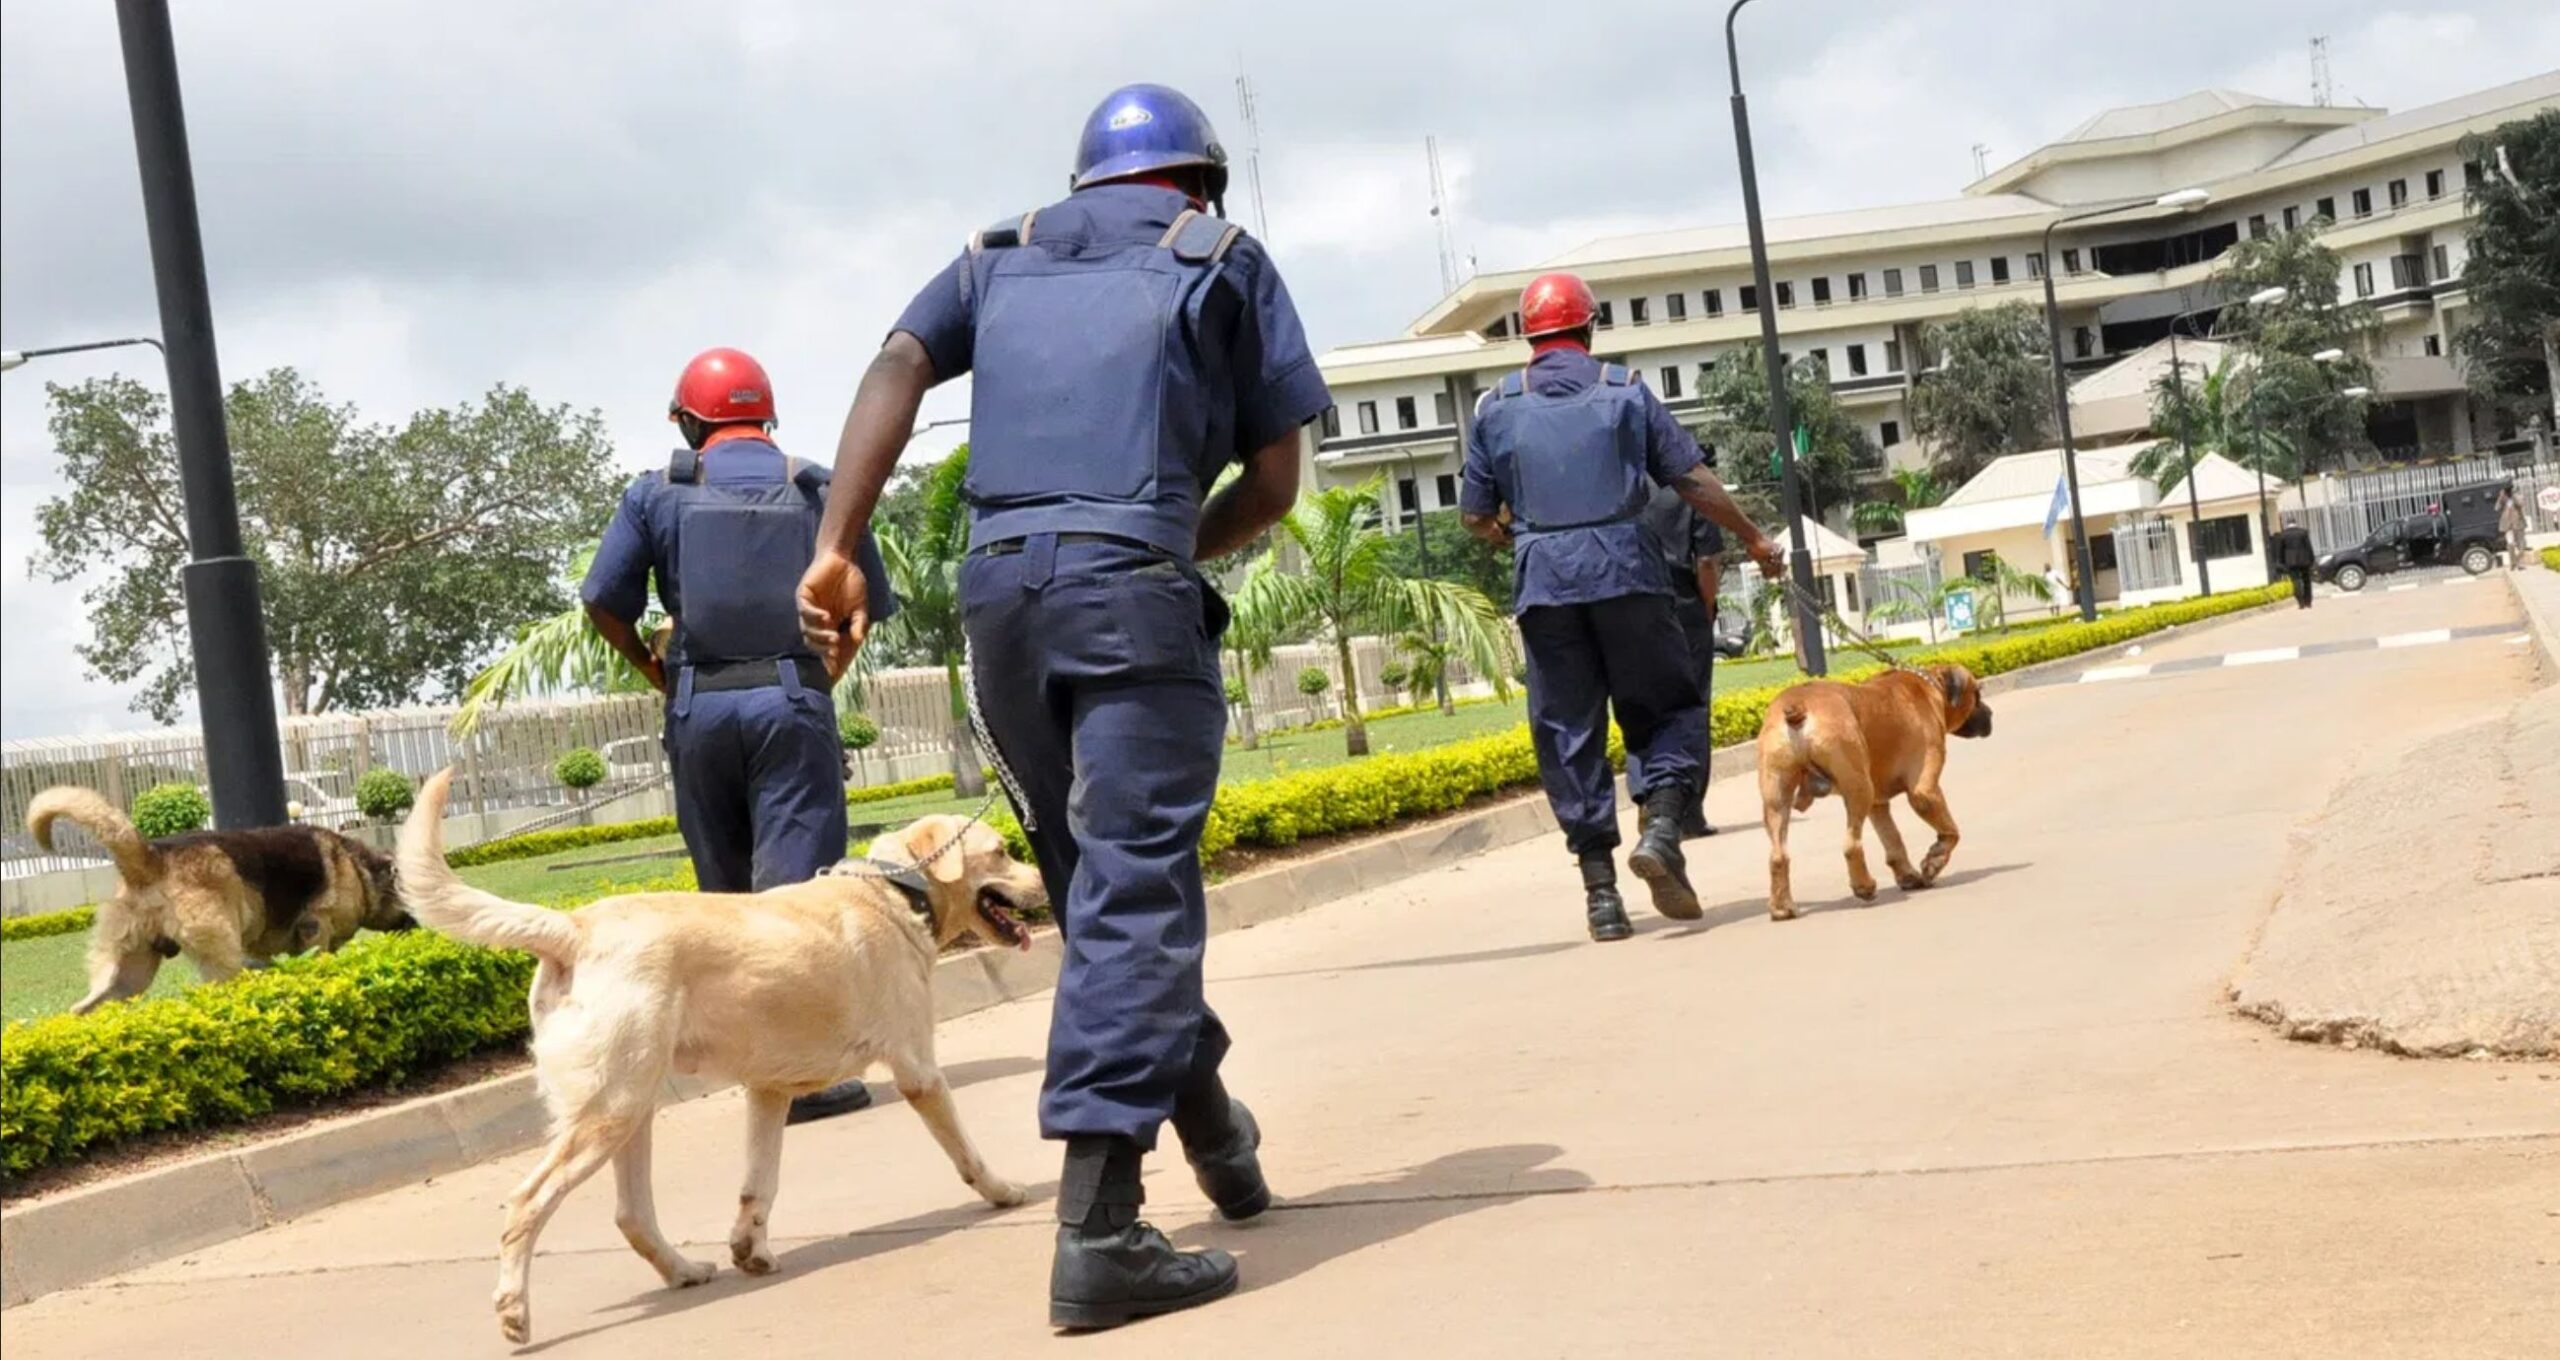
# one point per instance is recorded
(1616, 375)
(684, 467)
(1198, 238)
(808, 476)
(1004, 235)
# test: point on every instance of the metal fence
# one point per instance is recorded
(2346, 508)
(2147, 553)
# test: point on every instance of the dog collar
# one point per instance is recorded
(906, 878)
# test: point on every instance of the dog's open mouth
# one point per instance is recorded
(1001, 920)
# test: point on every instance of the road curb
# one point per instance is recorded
(2537, 593)
(90, 1234)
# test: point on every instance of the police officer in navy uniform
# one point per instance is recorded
(726, 528)
(1573, 448)
(1127, 345)
(1692, 550)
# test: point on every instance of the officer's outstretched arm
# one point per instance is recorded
(1238, 512)
(1705, 493)
(834, 597)
(1490, 528)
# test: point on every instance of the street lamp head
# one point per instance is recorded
(2357, 391)
(2328, 356)
(2268, 297)
(2183, 198)
(9, 359)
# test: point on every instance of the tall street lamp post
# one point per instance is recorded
(2083, 568)
(10, 359)
(1791, 481)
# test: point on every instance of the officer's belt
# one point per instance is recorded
(1010, 546)
(723, 676)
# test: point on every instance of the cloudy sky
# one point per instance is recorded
(411, 200)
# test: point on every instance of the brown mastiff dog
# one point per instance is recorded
(1867, 743)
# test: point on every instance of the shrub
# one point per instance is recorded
(857, 732)
(1394, 674)
(905, 788)
(534, 843)
(385, 794)
(171, 810)
(1314, 681)
(580, 769)
(1235, 690)
(2551, 558)
(69, 922)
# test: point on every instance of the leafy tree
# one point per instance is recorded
(2289, 392)
(579, 769)
(2211, 412)
(1986, 388)
(1255, 625)
(1735, 396)
(1346, 585)
(2512, 341)
(385, 794)
(1312, 681)
(172, 809)
(1910, 603)
(389, 559)
(1455, 555)
(1908, 489)
(924, 568)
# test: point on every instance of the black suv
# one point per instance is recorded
(2462, 527)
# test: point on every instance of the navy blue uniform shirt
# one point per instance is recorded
(1683, 537)
(642, 536)
(1583, 567)
(1276, 385)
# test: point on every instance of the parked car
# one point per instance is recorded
(2462, 527)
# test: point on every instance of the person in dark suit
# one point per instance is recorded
(2296, 559)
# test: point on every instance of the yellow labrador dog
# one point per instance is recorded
(783, 992)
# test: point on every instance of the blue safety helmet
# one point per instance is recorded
(1142, 128)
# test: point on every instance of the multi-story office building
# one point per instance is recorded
(2385, 190)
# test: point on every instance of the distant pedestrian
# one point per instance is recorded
(2295, 557)
(2511, 524)
(2058, 586)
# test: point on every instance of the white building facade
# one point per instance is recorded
(2385, 189)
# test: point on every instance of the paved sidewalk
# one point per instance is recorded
(2011, 1116)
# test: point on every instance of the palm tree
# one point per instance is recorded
(1348, 589)
(1913, 489)
(2215, 414)
(924, 569)
(1910, 603)
(1256, 621)
(1426, 662)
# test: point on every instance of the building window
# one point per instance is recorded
(2326, 210)
(1715, 301)
(1857, 287)
(1821, 360)
(2292, 218)
(2071, 260)
(2471, 174)
(1964, 273)
(1671, 382)
(2227, 536)
(1675, 306)
(2435, 184)
(2408, 271)
(1822, 291)
(1500, 329)
(1892, 356)
(1333, 422)
(2363, 199)
(1443, 411)
(1889, 433)
(2435, 346)
(1608, 315)
(1639, 311)
(2083, 342)
(1982, 564)
(2257, 226)
(1405, 417)
(1786, 294)
(1446, 484)
(1750, 297)
(2364, 280)
(1893, 283)
(2398, 190)
(2035, 264)
(1999, 269)
(1928, 278)
(1368, 417)
(1857, 361)
(1408, 500)
(2443, 263)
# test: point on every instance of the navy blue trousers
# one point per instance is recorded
(1096, 669)
(759, 783)
(1586, 660)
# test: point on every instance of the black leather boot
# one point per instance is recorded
(1111, 1268)
(1601, 905)
(1694, 823)
(844, 1097)
(1220, 1139)
(1657, 858)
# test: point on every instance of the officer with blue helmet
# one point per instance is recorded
(1127, 345)
(1573, 448)
(751, 727)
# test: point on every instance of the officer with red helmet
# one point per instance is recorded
(1126, 346)
(726, 529)
(1573, 448)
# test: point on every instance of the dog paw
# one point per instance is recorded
(1782, 911)
(1866, 891)
(515, 1319)
(690, 1273)
(1002, 1193)
(1909, 880)
(751, 1257)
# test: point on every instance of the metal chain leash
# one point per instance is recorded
(1832, 617)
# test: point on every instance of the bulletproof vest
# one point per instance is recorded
(1094, 389)
(1568, 462)
(740, 552)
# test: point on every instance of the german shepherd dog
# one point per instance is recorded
(226, 899)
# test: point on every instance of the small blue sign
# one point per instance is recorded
(1960, 611)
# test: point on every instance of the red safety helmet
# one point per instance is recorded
(1553, 303)
(723, 387)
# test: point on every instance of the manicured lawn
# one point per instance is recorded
(578, 875)
(40, 977)
(1296, 752)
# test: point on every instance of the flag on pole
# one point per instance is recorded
(2061, 501)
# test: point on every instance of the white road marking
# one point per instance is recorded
(2263, 656)
(2519, 639)
(2432, 635)
(2092, 677)
(2461, 580)
(2413, 585)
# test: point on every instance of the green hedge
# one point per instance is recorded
(552, 842)
(905, 788)
(50, 923)
(2551, 558)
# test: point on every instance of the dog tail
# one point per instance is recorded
(441, 901)
(137, 863)
(1791, 707)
